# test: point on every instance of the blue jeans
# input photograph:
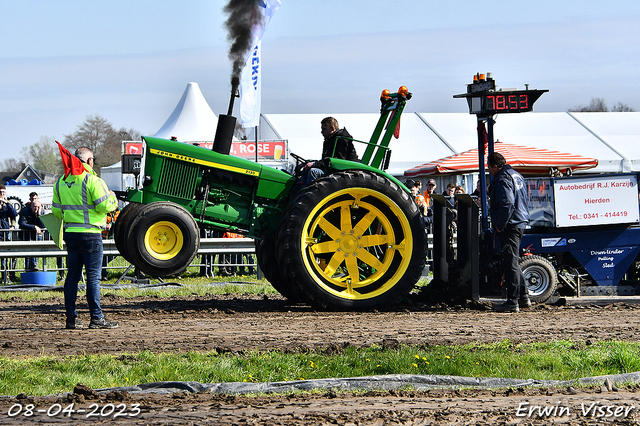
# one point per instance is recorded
(79, 253)
(311, 175)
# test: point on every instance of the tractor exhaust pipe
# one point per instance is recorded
(226, 123)
(235, 83)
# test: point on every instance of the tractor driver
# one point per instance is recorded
(337, 144)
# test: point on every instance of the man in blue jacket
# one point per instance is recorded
(509, 216)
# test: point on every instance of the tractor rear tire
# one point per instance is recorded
(268, 263)
(163, 239)
(352, 241)
(540, 277)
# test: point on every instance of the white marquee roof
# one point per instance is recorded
(192, 120)
(611, 137)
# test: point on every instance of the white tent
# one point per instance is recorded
(112, 176)
(612, 137)
(192, 120)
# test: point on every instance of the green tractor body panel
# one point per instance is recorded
(221, 191)
(224, 192)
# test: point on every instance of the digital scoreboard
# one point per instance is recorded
(484, 99)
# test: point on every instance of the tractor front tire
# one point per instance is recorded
(162, 238)
(121, 225)
(352, 241)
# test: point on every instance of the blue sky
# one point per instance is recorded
(130, 61)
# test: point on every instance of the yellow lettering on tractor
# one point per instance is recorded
(204, 162)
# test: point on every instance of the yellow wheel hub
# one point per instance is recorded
(163, 240)
(351, 243)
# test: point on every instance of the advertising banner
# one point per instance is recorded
(596, 200)
(133, 148)
(274, 150)
(540, 202)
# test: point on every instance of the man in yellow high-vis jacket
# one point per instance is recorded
(82, 200)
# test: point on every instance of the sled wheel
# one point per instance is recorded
(352, 240)
(268, 263)
(121, 225)
(163, 239)
(540, 276)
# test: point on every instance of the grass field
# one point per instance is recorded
(557, 360)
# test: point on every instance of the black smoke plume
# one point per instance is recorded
(242, 15)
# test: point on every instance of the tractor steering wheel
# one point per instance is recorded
(300, 162)
(298, 158)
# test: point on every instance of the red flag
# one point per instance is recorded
(72, 164)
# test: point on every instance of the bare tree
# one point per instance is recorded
(596, 105)
(44, 155)
(95, 132)
(99, 135)
(129, 134)
(620, 107)
(13, 164)
(111, 150)
(91, 133)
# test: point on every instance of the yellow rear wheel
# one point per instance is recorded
(352, 240)
(351, 243)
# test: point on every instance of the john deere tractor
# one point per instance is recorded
(351, 240)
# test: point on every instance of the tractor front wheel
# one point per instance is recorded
(121, 226)
(163, 239)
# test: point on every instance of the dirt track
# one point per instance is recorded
(238, 323)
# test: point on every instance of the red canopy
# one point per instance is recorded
(526, 160)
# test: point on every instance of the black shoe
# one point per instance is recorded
(507, 307)
(73, 323)
(102, 323)
(524, 303)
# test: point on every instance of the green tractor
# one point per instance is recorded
(351, 240)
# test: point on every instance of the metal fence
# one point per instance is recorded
(233, 254)
(216, 256)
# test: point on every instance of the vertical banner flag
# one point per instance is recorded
(250, 82)
(251, 89)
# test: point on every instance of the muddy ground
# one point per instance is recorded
(244, 322)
